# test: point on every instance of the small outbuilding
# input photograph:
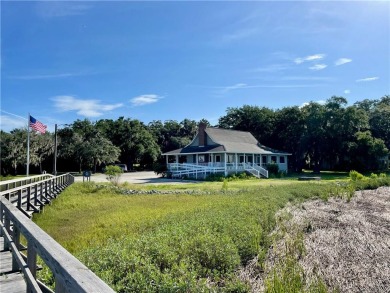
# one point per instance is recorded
(225, 151)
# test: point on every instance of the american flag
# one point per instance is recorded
(36, 125)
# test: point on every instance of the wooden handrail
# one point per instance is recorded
(41, 192)
(13, 183)
(19, 262)
(69, 273)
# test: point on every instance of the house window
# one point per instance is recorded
(242, 159)
(201, 159)
(218, 158)
(273, 159)
(264, 160)
(282, 160)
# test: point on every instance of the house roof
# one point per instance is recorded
(229, 141)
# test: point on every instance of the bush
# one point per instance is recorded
(355, 175)
(160, 169)
(113, 174)
(273, 169)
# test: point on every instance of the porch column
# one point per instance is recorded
(225, 164)
(166, 160)
(197, 160)
(177, 158)
(253, 159)
(235, 160)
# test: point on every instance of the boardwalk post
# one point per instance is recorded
(19, 199)
(28, 198)
(60, 288)
(31, 261)
(16, 240)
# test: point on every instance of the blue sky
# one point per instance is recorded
(62, 61)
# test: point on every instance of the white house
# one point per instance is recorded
(216, 150)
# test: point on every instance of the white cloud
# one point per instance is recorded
(321, 102)
(342, 61)
(347, 92)
(8, 123)
(271, 68)
(239, 34)
(51, 9)
(367, 79)
(87, 108)
(226, 89)
(45, 76)
(310, 78)
(309, 58)
(318, 67)
(145, 100)
(236, 86)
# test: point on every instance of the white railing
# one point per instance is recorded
(188, 169)
(255, 170)
(194, 170)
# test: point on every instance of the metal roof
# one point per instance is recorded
(228, 141)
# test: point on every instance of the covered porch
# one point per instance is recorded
(203, 164)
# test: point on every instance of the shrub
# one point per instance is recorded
(160, 169)
(113, 174)
(355, 175)
(225, 185)
(373, 176)
(273, 169)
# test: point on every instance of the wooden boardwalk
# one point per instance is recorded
(18, 264)
(10, 282)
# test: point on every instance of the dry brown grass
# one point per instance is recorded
(347, 244)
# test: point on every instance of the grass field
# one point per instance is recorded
(190, 241)
(183, 241)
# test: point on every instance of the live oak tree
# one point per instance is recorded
(41, 148)
(133, 138)
(13, 150)
(83, 142)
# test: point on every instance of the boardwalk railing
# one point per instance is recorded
(9, 184)
(32, 197)
(70, 275)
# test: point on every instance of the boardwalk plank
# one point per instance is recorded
(13, 283)
(5, 262)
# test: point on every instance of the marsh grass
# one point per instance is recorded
(164, 242)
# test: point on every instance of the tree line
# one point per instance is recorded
(332, 136)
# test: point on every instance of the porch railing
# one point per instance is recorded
(188, 169)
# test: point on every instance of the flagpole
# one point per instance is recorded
(28, 146)
(55, 151)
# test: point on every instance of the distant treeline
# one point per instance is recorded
(319, 136)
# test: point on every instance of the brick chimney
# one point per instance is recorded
(202, 134)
